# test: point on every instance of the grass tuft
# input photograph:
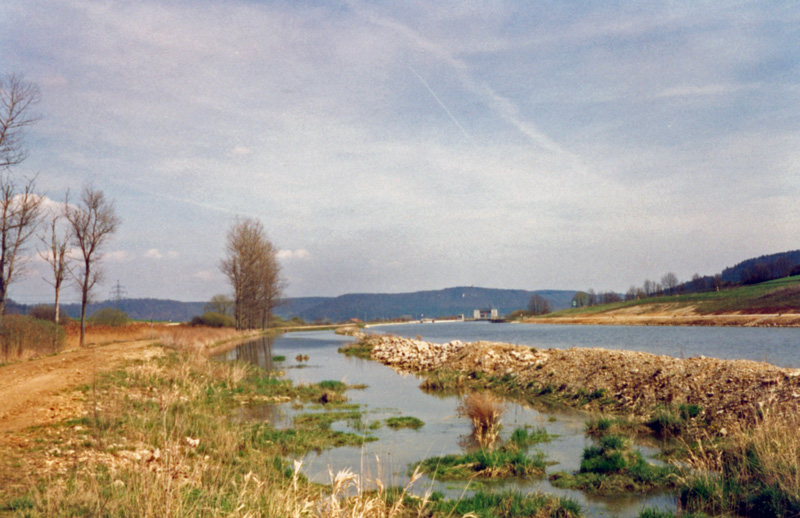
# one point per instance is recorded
(404, 422)
(485, 411)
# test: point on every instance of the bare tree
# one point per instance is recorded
(20, 212)
(56, 254)
(669, 282)
(538, 305)
(92, 222)
(17, 98)
(221, 304)
(252, 267)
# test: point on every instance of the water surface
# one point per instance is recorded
(777, 345)
(391, 394)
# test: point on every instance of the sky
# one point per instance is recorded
(402, 146)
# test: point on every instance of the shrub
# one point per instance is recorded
(43, 312)
(24, 335)
(109, 317)
(213, 319)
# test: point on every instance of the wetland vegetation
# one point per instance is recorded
(181, 435)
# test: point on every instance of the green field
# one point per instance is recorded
(776, 296)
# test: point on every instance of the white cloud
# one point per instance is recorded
(116, 256)
(703, 90)
(299, 254)
(241, 151)
(204, 275)
(442, 136)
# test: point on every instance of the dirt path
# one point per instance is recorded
(35, 392)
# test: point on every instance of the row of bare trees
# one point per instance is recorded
(73, 235)
(252, 268)
(668, 285)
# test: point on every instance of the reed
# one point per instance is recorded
(485, 411)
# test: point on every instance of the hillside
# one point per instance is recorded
(159, 310)
(436, 303)
(365, 306)
(775, 302)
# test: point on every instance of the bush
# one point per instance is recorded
(213, 319)
(23, 334)
(111, 317)
(43, 312)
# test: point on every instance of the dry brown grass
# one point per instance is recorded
(198, 338)
(754, 467)
(485, 411)
(155, 444)
(178, 336)
(98, 335)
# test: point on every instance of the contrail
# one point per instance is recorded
(452, 117)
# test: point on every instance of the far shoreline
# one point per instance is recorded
(680, 320)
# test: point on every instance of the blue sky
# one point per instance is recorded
(402, 146)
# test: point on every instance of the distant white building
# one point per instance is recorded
(483, 314)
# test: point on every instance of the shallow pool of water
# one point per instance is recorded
(391, 394)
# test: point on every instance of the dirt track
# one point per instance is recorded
(35, 392)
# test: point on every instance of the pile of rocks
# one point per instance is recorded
(407, 354)
(727, 391)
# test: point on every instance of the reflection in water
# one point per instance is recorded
(258, 352)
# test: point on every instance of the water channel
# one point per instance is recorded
(391, 394)
(776, 345)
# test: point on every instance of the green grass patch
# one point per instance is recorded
(613, 466)
(483, 463)
(508, 504)
(361, 350)
(604, 425)
(178, 417)
(669, 421)
(775, 296)
(404, 422)
(524, 438)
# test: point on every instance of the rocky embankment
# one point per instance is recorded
(727, 392)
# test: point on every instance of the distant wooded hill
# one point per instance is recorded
(750, 271)
(437, 303)
(764, 268)
(365, 306)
